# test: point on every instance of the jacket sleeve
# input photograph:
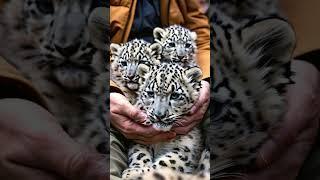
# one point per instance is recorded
(114, 87)
(197, 21)
(13, 85)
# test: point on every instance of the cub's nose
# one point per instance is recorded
(160, 115)
(180, 57)
(67, 51)
(130, 76)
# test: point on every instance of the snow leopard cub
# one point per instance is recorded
(167, 92)
(251, 58)
(54, 52)
(125, 59)
(178, 45)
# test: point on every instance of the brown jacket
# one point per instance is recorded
(184, 12)
(12, 84)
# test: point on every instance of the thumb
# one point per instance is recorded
(132, 112)
(283, 136)
(62, 155)
(40, 142)
(86, 166)
(120, 105)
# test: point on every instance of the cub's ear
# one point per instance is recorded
(193, 36)
(273, 39)
(156, 49)
(143, 70)
(194, 73)
(99, 28)
(159, 34)
(115, 49)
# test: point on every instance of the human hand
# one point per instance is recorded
(35, 147)
(128, 120)
(188, 122)
(283, 155)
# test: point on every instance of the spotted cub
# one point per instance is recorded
(178, 45)
(125, 59)
(42, 40)
(167, 92)
(252, 70)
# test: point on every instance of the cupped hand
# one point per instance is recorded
(35, 147)
(128, 120)
(197, 112)
(282, 156)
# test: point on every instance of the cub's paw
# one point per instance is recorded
(135, 173)
(169, 174)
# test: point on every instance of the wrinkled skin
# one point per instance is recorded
(282, 156)
(35, 147)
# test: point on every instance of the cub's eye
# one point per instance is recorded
(124, 63)
(45, 6)
(188, 45)
(144, 62)
(150, 93)
(175, 96)
(172, 44)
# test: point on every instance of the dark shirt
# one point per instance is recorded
(147, 17)
(312, 57)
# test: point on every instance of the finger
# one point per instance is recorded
(78, 164)
(132, 112)
(203, 98)
(295, 121)
(13, 171)
(290, 162)
(279, 142)
(186, 129)
(145, 131)
(127, 109)
(197, 116)
(130, 128)
(187, 120)
(45, 145)
(62, 155)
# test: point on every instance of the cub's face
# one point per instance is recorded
(126, 58)
(59, 33)
(168, 92)
(178, 43)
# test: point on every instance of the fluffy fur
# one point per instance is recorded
(167, 92)
(125, 59)
(49, 42)
(178, 45)
(251, 69)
